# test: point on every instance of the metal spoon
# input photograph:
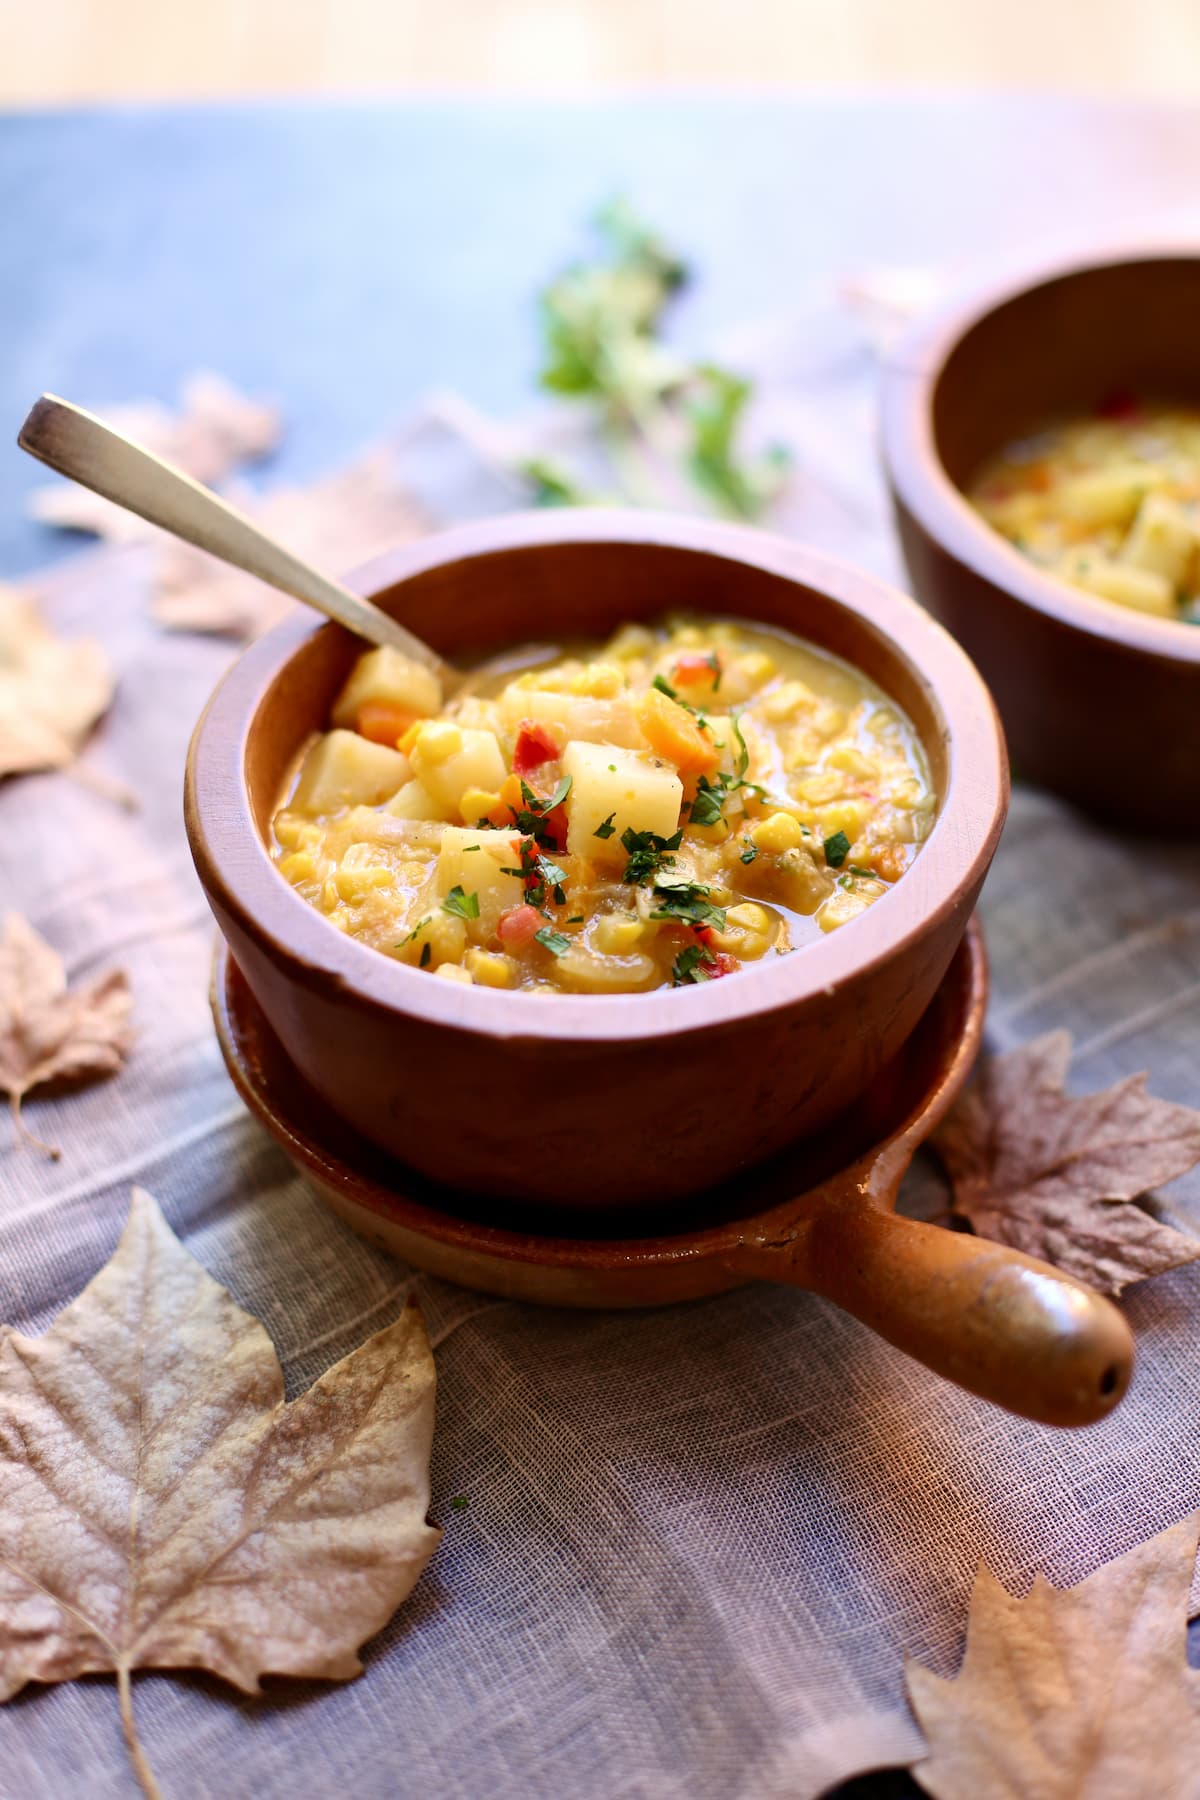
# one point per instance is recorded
(83, 447)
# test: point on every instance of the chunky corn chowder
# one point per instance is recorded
(658, 812)
(1110, 504)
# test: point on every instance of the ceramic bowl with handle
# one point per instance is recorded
(600, 1102)
(1099, 703)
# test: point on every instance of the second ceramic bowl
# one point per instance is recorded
(1100, 703)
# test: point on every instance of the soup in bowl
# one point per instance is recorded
(1041, 435)
(494, 933)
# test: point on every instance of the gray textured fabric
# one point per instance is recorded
(701, 1541)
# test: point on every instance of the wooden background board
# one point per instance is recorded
(73, 50)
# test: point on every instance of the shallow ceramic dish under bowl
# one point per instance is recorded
(820, 1216)
(604, 1100)
(1099, 703)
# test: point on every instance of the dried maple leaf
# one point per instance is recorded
(1053, 1175)
(338, 522)
(214, 430)
(51, 691)
(1071, 1692)
(49, 1032)
(162, 1507)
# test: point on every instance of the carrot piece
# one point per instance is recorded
(383, 721)
(674, 734)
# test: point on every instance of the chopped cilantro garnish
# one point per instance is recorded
(606, 830)
(664, 687)
(426, 955)
(867, 874)
(714, 663)
(462, 905)
(459, 1502)
(709, 801)
(749, 853)
(647, 853)
(531, 818)
(687, 900)
(743, 755)
(692, 965)
(467, 848)
(837, 848)
(612, 768)
(554, 941)
(575, 919)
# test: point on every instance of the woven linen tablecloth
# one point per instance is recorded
(700, 1541)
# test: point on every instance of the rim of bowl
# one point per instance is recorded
(912, 369)
(294, 935)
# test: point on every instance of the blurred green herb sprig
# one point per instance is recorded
(670, 427)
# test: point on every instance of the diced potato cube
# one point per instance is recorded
(636, 792)
(1108, 496)
(448, 768)
(1162, 540)
(583, 717)
(388, 675)
(414, 801)
(475, 861)
(343, 769)
(1138, 588)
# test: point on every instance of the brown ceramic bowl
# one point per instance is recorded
(1100, 703)
(593, 1101)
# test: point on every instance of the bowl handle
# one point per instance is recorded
(990, 1318)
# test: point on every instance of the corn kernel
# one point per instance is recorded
(355, 884)
(299, 866)
(310, 837)
(789, 698)
(617, 936)
(439, 741)
(600, 681)
(750, 917)
(455, 972)
(777, 833)
(631, 641)
(476, 804)
(845, 815)
(756, 666)
(287, 830)
(841, 906)
(852, 761)
(716, 833)
(406, 743)
(820, 789)
(490, 969)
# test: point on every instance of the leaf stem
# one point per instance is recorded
(24, 1135)
(137, 1755)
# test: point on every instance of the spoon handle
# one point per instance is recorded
(83, 447)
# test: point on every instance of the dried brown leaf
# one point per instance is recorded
(49, 1032)
(1071, 1692)
(1054, 1175)
(215, 430)
(162, 1507)
(335, 524)
(51, 691)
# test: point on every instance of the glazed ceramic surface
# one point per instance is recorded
(605, 1101)
(1100, 703)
